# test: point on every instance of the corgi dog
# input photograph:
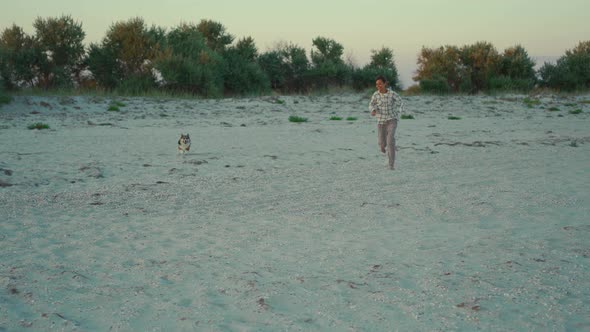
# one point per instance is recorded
(184, 143)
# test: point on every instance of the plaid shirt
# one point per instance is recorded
(388, 106)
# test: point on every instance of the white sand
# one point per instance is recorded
(268, 225)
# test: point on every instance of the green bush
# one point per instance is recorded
(297, 119)
(64, 39)
(578, 111)
(189, 65)
(437, 85)
(38, 126)
(243, 76)
(271, 64)
(507, 84)
(328, 69)
(351, 118)
(106, 70)
(136, 84)
(363, 78)
(335, 118)
(407, 117)
(528, 100)
(452, 117)
(571, 72)
(20, 58)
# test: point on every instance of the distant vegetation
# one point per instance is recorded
(297, 119)
(199, 59)
(474, 68)
(203, 59)
(115, 106)
(38, 125)
(480, 67)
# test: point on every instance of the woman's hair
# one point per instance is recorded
(381, 78)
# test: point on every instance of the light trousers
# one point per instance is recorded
(386, 139)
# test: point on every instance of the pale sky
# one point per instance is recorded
(545, 28)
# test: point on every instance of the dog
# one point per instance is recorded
(184, 143)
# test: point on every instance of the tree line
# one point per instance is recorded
(204, 59)
(201, 59)
(480, 67)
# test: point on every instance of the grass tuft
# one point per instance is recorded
(115, 106)
(530, 103)
(407, 117)
(528, 100)
(452, 117)
(297, 119)
(578, 111)
(351, 118)
(335, 118)
(554, 109)
(276, 100)
(38, 126)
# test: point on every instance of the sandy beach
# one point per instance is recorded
(270, 225)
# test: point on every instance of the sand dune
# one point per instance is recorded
(272, 225)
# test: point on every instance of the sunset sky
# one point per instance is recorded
(545, 28)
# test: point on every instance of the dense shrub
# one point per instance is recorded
(481, 62)
(242, 72)
(297, 66)
(506, 84)
(136, 84)
(20, 58)
(441, 63)
(436, 85)
(382, 63)
(474, 68)
(571, 72)
(102, 62)
(61, 40)
(272, 65)
(516, 64)
(363, 78)
(216, 37)
(243, 77)
(515, 71)
(327, 67)
(188, 65)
